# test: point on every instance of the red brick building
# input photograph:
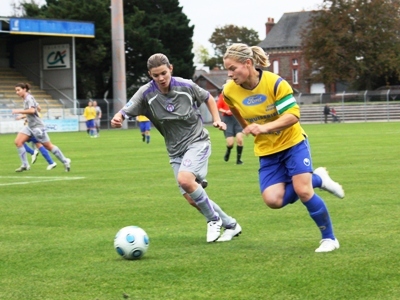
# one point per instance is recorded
(283, 44)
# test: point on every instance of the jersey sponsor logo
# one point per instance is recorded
(254, 100)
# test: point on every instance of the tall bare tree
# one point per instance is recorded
(355, 41)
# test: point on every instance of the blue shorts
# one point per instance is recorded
(144, 126)
(281, 166)
(32, 139)
(90, 124)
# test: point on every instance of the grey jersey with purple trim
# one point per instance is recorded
(175, 114)
(34, 120)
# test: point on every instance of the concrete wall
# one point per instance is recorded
(28, 59)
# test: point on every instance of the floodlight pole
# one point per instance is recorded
(118, 56)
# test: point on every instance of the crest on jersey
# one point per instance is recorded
(187, 162)
(170, 107)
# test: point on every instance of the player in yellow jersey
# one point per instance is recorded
(144, 126)
(90, 115)
(264, 105)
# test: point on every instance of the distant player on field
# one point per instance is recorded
(144, 126)
(34, 128)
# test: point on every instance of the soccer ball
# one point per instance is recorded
(131, 242)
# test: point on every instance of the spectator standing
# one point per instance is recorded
(327, 112)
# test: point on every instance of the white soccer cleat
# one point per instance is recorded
(34, 156)
(213, 230)
(51, 166)
(23, 168)
(67, 165)
(328, 245)
(230, 233)
(328, 184)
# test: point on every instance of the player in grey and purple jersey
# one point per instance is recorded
(34, 128)
(172, 105)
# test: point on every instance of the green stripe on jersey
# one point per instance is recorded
(285, 103)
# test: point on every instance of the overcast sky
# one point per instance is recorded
(207, 15)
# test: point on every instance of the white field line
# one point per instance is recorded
(38, 179)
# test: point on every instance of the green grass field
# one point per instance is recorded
(57, 228)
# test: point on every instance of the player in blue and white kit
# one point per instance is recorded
(172, 105)
(35, 128)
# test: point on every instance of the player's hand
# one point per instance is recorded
(254, 129)
(116, 121)
(220, 125)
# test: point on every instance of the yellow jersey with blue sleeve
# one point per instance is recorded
(270, 99)
(141, 118)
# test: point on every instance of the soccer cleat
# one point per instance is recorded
(328, 184)
(239, 162)
(34, 156)
(230, 233)
(23, 168)
(328, 245)
(213, 230)
(51, 166)
(227, 154)
(67, 165)
(203, 183)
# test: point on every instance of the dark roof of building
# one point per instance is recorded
(286, 33)
(216, 77)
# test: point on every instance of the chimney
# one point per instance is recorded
(268, 26)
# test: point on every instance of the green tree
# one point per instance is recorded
(225, 36)
(150, 26)
(355, 41)
(201, 54)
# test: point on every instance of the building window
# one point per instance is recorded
(295, 76)
(275, 66)
(294, 62)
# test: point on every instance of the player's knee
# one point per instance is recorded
(186, 181)
(273, 202)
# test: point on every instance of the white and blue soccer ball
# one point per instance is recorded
(131, 242)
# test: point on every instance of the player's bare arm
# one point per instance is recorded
(212, 107)
(117, 120)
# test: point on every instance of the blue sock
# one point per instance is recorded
(319, 213)
(316, 181)
(46, 155)
(148, 139)
(28, 149)
(291, 197)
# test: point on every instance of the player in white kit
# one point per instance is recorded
(172, 105)
(34, 128)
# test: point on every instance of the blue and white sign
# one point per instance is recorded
(62, 125)
(52, 27)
